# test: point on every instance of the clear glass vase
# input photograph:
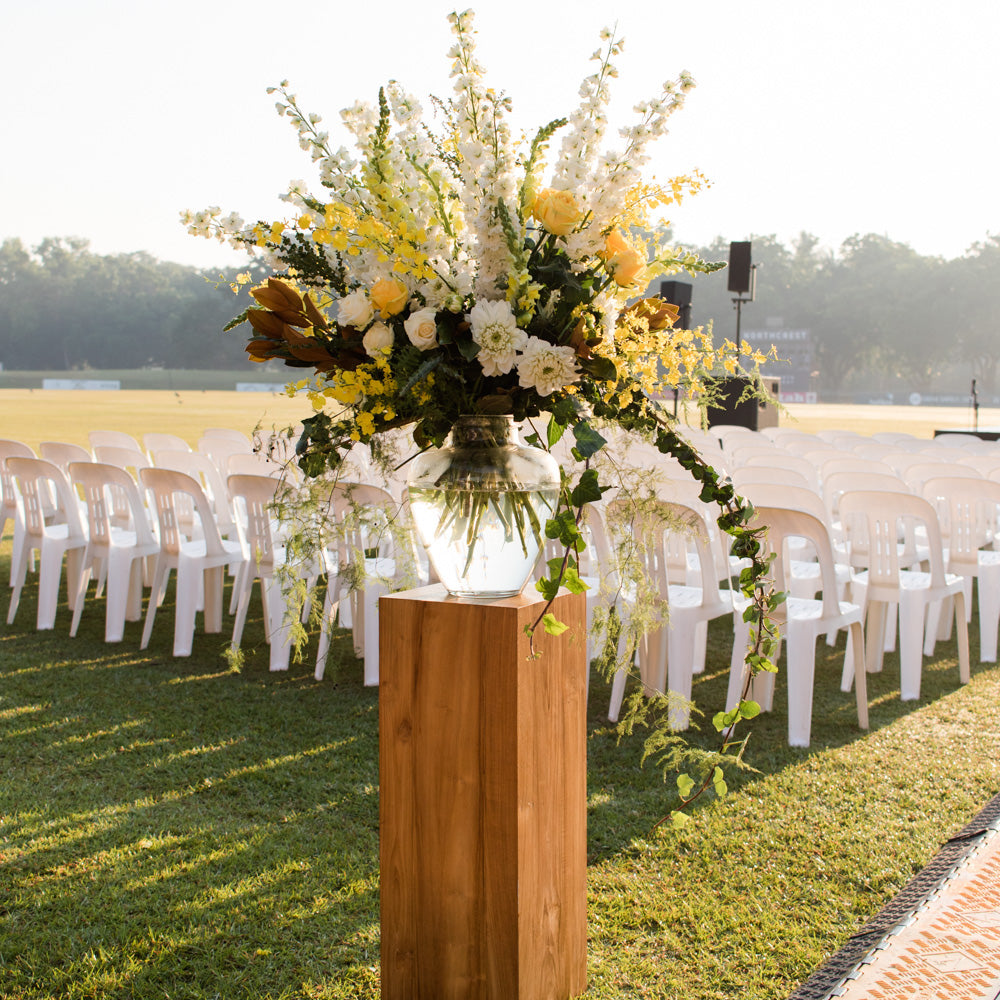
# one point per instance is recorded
(480, 505)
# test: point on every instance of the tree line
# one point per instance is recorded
(878, 312)
(64, 307)
(876, 309)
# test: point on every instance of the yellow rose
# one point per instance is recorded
(624, 263)
(389, 296)
(557, 211)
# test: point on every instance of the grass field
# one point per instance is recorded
(38, 415)
(177, 828)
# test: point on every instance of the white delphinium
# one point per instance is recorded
(546, 367)
(587, 125)
(495, 330)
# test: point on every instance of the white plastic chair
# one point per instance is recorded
(801, 621)
(228, 434)
(62, 453)
(667, 657)
(219, 449)
(253, 496)
(968, 513)
(199, 562)
(10, 507)
(881, 519)
(120, 551)
(37, 481)
(363, 519)
(132, 460)
(112, 439)
(155, 441)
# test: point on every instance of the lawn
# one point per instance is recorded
(179, 828)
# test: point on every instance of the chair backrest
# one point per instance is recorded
(156, 441)
(229, 434)
(255, 494)
(658, 533)
(750, 474)
(164, 484)
(107, 490)
(200, 467)
(219, 449)
(784, 523)
(10, 449)
(968, 512)
(124, 458)
(62, 453)
(884, 517)
(40, 481)
(112, 439)
(832, 466)
(917, 475)
(242, 464)
(780, 496)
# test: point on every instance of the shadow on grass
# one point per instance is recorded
(626, 800)
(172, 827)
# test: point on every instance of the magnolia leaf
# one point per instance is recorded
(552, 625)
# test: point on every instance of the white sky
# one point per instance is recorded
(830, 116)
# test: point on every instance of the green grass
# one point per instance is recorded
(174, 828)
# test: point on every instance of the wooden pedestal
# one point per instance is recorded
(483, 784)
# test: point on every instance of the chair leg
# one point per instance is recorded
(989, 613)
(331, 605)
(911, 631)
(962, 628)
(681, 645)
(158, 585)
(856, 647)
(18, 574)
(280, 629)
(373, 591)
(800, 660)
(188, 576)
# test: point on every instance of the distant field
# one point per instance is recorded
(39, 415)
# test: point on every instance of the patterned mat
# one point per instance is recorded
(939, 939)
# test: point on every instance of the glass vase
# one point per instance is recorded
(480, 505)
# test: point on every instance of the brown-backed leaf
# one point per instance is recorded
(316, 318)
(266, 323)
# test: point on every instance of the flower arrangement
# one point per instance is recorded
(444, 268)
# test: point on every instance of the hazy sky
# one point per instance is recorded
(831, 116)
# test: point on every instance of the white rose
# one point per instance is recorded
(355, 310)
(378, 340)
(421, 328)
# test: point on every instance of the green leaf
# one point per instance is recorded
(719, 782)
(679, 820)
(552, 625)
(685, 783)
(588, 490)
(549, 589)
(749, 709)
(603, 369)
(555, 431)
(588, 441)
(467, 348)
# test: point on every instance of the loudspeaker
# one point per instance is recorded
(739, 268)
(678, 293)
(752, 413)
